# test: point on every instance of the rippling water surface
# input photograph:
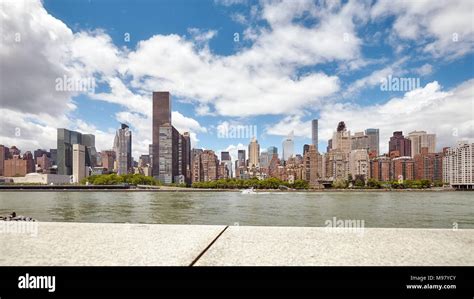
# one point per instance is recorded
(377, 209)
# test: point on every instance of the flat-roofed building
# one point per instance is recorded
(458, 165)
(78, 162)
(403, 168)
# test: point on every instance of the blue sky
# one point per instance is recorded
(294, 61)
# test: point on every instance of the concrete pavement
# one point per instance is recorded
(109, 244)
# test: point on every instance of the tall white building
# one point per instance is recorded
(458, 169)
(421, 139)
(78, 162)
(288, 147)
(123, 149)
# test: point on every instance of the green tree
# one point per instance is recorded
(373, 183)
(340, 184)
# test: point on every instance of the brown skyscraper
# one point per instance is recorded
(161, 116)
(399, 143)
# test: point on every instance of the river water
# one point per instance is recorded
(376, 209)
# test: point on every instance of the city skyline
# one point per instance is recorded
(196, 60)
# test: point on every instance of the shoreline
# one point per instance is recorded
(82, 188)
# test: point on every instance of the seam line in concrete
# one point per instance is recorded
(207, 248)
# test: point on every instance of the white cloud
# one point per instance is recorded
(444, 28)
(32, 131)
(201, 36)
(262, 78)
(186, 124)
(289, 124)
(424, 70)
(37, 49)
(239, 18)
(376, 77)
(230, 2)
(32, 56)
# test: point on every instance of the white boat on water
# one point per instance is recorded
(248, 191)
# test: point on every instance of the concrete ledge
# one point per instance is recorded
(106, 244)
(109, 244)
(311, 246)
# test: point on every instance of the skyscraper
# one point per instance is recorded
(288, 147)
(78, 162)
(373, 135)
(310, 164)
(184, 158)
(161, 116)
(341, 139)
(314, 133)
(403, 168)
(359, 141)
(428, 166)
(359, 163)
(3, 157)
(419, 140)
(171, 151)
(66, 139)
(398, 143)
(88, 140)
(254, 153)
(241, 157)
(168, 162)
(458, 165)
(205, 166)
(54, 155)
(272, 150)
(265, 159)
(305, 148)
(225, 156)
(123, 149)
(227, 160)
(108, 160)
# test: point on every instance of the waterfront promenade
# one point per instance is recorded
(109, 244)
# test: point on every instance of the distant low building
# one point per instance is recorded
(18, 166)
(99, 171)
(41, 178)
(44, 163)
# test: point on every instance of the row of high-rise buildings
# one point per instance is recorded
(350, 155)
(74, 158)
(171, 159)
(77, 154)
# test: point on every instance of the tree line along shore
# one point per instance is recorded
(139, 180)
